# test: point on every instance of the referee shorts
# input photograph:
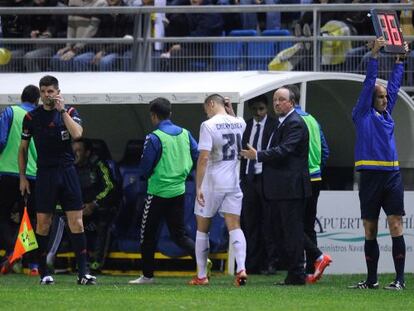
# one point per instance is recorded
(58, 185)
(381, 189)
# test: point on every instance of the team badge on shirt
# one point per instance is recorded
(65, 135)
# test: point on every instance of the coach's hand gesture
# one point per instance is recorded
(249, 153)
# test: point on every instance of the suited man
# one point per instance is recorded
(255, 212)
(286, 182)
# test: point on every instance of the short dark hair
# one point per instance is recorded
(215, 98)
(48, 81)
(87, 143)
(30, 94)
(258, 99)
(294, 93)
(161, 107)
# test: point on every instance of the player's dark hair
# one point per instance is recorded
(258, 99)
(30, 94)
(294, 93)
(87, 143)
(215, 98)
(48, 81)
(161, 107)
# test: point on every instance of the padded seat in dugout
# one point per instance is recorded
(128, 166)
(133, 152)
(129, 219)
(100, 148)
(259, 54)
(165, 244)
(129, 174)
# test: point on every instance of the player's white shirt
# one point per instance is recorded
(221, 135)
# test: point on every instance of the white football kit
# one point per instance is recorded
(221, 135)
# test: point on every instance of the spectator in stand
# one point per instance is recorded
(232, 21)
(40, 26)
(115, 26)
(199, 25)
(13, 28)
(79, 56)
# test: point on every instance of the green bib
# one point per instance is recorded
(8, 158)
(171, 171)
(315, 149)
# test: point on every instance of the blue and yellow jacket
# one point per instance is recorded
(375, 147)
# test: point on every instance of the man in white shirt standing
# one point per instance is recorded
(217, 184)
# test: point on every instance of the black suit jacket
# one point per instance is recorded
(269, 126)
(285, 162)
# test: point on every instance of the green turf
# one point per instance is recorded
(20, 292)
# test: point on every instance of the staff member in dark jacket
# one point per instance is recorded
(286, 181)
(255, 210)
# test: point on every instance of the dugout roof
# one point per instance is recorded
(107, 100)
(137, 87)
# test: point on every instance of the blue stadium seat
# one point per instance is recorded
(280, 46)
(243, 33)
(259, 54)
(229, 56)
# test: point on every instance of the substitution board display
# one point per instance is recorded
(386, 25)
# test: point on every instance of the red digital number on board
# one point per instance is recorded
(393, 30)
(385, 30)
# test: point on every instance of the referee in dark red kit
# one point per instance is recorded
(52, 127)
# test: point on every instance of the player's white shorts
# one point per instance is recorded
(226, 202)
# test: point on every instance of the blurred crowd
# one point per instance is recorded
(82, 56)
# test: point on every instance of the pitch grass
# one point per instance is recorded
(20, 292)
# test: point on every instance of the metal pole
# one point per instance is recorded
(146, 46)
(303, 89)
(136, 45)
(316, 50)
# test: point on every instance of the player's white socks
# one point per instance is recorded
(202, 248)
(238, 241)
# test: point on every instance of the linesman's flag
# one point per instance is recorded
(26, 239)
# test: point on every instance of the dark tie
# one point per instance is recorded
(250, 170)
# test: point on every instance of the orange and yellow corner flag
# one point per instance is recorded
(26, 239)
